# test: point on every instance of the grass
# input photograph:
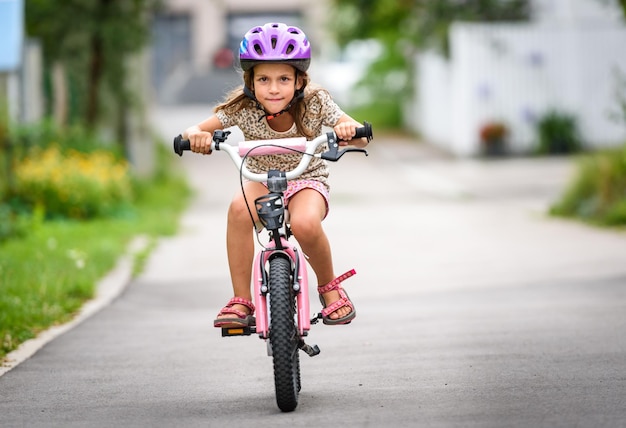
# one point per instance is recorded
(46, 276)
(597, 194)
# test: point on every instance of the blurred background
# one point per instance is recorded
(441, 70)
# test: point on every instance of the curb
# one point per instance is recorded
(107, 290)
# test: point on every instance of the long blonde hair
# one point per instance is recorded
(237, 100)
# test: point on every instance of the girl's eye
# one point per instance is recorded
(262, 79)
(285, 79)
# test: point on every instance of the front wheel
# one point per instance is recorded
(284, 334)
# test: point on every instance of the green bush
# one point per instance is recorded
(73, 184)
(382, 115)
(22, 200)
(557, 133)
(598, 192)
(46, 133)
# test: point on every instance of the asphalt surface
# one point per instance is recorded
(475, 309)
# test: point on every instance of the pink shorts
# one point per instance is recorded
(294, 186)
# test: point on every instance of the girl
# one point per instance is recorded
(276, 101)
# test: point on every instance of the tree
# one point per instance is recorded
(422, 23)
(90, 41)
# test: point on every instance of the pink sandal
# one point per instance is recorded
(344, 300)
(241, 319)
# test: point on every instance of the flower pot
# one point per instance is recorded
(494, 148)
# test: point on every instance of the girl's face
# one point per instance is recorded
(275, 85)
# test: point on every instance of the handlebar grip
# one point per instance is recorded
(365, 131)
(181, 145)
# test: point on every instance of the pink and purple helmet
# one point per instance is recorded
(275, 42)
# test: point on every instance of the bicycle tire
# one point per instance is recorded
(283, 334)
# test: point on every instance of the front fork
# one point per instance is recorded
(299, 283)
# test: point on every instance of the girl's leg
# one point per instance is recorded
(240, 241)
(307, 209)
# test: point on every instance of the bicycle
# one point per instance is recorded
(279, 270)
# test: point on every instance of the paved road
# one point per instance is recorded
(474, 309)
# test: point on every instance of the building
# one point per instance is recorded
(195, 42)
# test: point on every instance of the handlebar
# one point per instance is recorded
(279, 146)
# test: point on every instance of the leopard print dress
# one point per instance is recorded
(321, 111)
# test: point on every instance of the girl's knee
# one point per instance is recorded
(238, 211)
(306, 228)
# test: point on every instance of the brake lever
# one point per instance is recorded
(333, 153)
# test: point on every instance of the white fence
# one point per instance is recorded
(516, 73)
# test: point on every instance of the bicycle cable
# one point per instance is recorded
(243, 162)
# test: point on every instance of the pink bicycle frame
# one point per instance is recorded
(260, 298)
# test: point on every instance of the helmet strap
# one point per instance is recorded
(299, 94)
(248, 93)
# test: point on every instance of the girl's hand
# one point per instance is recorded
(346, 130)
(199, 141)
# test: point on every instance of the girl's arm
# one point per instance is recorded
(346, 129)
(200, 135)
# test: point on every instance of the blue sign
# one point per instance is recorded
(11, 34)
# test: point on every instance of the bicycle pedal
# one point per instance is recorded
(317, 317)
(238, 331)
(311, 351)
